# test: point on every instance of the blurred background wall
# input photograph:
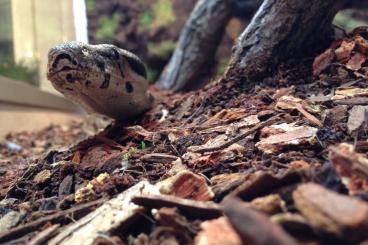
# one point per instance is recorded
(28, 29)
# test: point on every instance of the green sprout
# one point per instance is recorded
(143, 145)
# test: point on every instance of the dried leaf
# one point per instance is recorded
(343, 53)
(361, 44)
(76, 157)
(355, 62)
(323, 61)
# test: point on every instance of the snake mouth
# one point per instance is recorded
(52, 72)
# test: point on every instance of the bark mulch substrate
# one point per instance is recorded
(275, 164)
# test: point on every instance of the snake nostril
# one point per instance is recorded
(69, 77)
(129, 87)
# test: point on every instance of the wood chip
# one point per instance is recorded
(189, 207)
(105, 219)
(187, 185)
(332, 212)
(357, 117)
(222, 184)
(293, 136)
(352, 165)
(270, 204)
(42, 177)
(349, 92)
(323, 61)
(223, 142)
(254, 227)
(59, 217)
(43, 236)
(158, 158)
(353, 101)
(10, 220)
(261, 183)
(213, 233)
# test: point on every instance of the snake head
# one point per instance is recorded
(68, 63)
(101, 78)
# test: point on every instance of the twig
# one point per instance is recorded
(239, 137)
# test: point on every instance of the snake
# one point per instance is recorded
(101, 78)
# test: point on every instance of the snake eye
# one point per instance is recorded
(84, 51)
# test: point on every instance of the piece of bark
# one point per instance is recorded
(224, 142)
(254, 227)
(111, 215)
(323, 61)
(187, 185)
(197, 45)
(172, 218)
(190, 208)
(270, 204)
(343, 156)
(43, 236)
(333, 213)
(217, 232)
(280, 30)
(59, 217)
(351, 165)
(357, 117)
(10, 220)
(158, 158)
(342, 93)
(262, 183)
(295, 224)
(353, 101)
(42, 177)
(224, 183)
(298, 136)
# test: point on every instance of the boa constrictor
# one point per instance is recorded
(100, 78)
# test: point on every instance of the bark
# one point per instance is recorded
(280, 30)
(197, 45)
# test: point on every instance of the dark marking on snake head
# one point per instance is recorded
(70, 89)
(110, 53)
(100, 64)
(121, 70)
(61, 56)
(136, 65)
(129, 87)
(87, 83)
(106, 81)
(116, 53)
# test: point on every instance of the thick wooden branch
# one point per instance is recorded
(280, 30)
(197, 45)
